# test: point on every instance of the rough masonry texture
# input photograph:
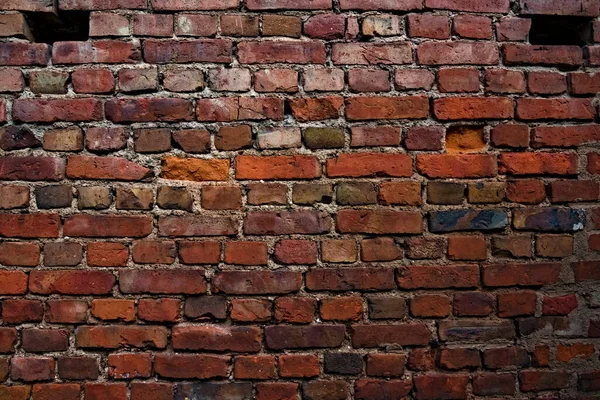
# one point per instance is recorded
(299, 199)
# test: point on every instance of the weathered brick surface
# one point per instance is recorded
(299, 199)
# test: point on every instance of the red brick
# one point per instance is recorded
(242, 108)
(350, 279)
(270, 51)
(117, 336)
(473, 27)
(22, 53)
(107, 226)
(281, 391)
(439, 53)
(542, 82)
(504, 81)
(543, 380)
(276, 80)
(560, 7)
(198, 50)
(101, 4)
(254, 367)
(277, 167)
(559, 305)
(30, 369)
(99, 391)
(457, 108)
(559, 109)
(11, 80)
(29, 225)
(158, 25)
(295, 310)
(109, 24)
(341, 309)
(295, 252)
(436, 277)
(535, 274)
(159, 310)
(430, 306)
(101, 51)
(298, 365)
(54, 391)
(257, 282)
(325, 26)
(66, 312)
(199, 252)
(183, 5)
(106, 254)
(387, 108)
(456, 166)
(380, 335)
(129, 366)
(250, 310)
(113, 309)
(196, 25)
(379, 222)
(538, 163)
(526, 191)
(429, 26)
(510, 135)
(371, 53)
(191, 366)
(246, 253)
(565, 136)
(525, 54)
(217, 338)
(467, 248)
(71, 282)
(52, 110)
(105, 168)
(19, 311)
(151, 391)
(514, 304)
(458, 80)
(369, 164)
(380, 5)
(19, 254)
(162, 281)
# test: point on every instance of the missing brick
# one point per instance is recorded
(65, 26)
(560, 30)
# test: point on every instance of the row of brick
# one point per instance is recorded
(320, 26)
(253, 282)
(426, 387)
(553, 7)
(182, 366)
(449, 80)
(174, 51)
(289, 167)
(249, 338)
(300, 221)
(287, 251)
(131, 366)
(360, 108)
(294, 310)
(406, 193)
(454, 139)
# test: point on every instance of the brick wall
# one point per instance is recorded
(298, 199)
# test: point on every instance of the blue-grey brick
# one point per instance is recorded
(549, 219)
(467, 220)
(213, 391)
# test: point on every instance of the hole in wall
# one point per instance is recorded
(560, 30)
(65, 26)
